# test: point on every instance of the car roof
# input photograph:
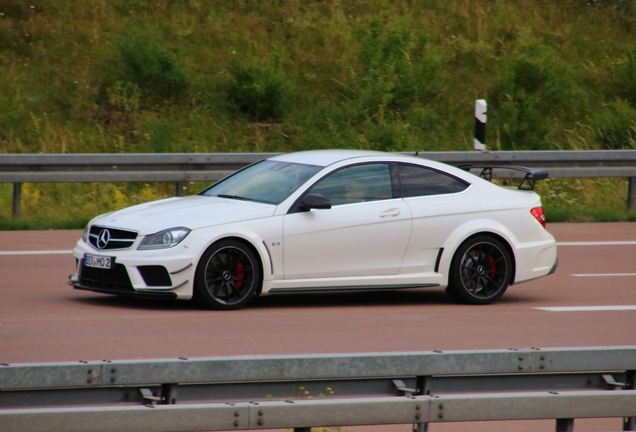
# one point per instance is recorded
(327, 157)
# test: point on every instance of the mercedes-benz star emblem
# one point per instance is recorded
(103, 238)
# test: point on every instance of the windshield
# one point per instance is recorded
(267, 181)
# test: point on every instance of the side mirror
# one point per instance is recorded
(314, 201)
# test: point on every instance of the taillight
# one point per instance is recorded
(537, 212)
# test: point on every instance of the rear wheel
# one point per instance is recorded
(228, 275)
(480, 272)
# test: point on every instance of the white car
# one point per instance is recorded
(326, 220)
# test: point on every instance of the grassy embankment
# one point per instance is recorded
(257, 76)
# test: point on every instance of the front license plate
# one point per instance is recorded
(98, 261)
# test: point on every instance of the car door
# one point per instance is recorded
(365, 233)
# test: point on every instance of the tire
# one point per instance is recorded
(228, 276)
(480, 272)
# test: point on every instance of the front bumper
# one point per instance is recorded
(161, 274)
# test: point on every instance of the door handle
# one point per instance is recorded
(390, 212)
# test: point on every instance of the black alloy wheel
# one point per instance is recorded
(228, 275)
(480, 271)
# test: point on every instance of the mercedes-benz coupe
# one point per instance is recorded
(326, 220)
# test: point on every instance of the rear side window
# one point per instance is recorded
(419, 181)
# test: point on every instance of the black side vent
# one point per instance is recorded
(155, 276)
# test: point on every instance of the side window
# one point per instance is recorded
(420, 181)
(360, 183)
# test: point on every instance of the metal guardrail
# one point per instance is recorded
(185, 167)
(304, 391)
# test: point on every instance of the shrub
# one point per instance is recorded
(530, 93)
(152, 66)
(398, 67)
(263, 94)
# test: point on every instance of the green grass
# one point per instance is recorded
(276, 76)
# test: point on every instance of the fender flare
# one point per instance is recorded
(241, 233)
(470, 229)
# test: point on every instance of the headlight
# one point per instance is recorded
(164, 239)
(85, 233)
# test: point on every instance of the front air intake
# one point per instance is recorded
(155, 276)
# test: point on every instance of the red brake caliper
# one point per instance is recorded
(239, 274)
(493, 267)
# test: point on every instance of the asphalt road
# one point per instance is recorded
(44, 319)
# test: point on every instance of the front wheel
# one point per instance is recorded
(228, 275)
(480, 272)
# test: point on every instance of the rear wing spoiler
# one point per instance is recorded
(532, 174)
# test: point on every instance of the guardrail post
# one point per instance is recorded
(631, 193)
(179, 189)
(168, 394)
(422, 387)
(564, 425)
(17, 201)
(629, 423)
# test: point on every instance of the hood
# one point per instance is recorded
(192, 212)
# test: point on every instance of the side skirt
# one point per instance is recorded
(352, 288)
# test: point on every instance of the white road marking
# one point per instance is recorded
(587, 308)
(41, 252)
(598, 243)
(602, 274)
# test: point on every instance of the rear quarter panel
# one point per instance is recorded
(447, 221)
